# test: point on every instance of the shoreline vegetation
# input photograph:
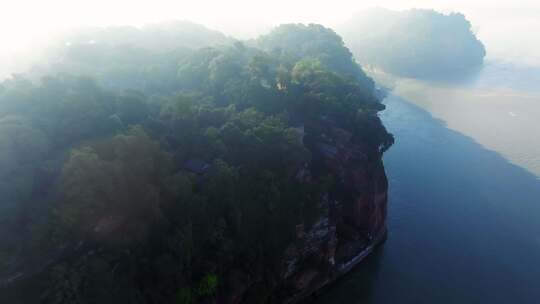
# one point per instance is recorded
(235, 172)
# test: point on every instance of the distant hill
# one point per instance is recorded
(162, 36)
(123, 57)
(413, 43)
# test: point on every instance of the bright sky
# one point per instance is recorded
(504, 23)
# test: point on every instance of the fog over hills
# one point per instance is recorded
(27, 26)
(415, 43)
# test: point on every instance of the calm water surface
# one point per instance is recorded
(464, 222)
(499, 108)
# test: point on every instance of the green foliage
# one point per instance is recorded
(132, 108)
(295, 42)
(414, 43)
(83, 161)
(128, 57)
(120, 177)
(184, 296)
(208, 285)
(299, 41)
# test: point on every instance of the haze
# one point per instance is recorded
(506, 27)
(196, 151)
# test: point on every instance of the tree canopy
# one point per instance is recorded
(185, 158)
(414, 43)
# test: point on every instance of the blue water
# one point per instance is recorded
(518, 77)
(464, 223)
(496, 73)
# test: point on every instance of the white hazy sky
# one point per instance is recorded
(508, 27)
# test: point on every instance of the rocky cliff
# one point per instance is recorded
(352, 218)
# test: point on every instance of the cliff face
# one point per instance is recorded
(352, 218)
(351, 221)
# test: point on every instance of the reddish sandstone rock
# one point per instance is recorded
(351, 223)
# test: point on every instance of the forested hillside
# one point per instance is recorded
(414, 43)
(137, 174)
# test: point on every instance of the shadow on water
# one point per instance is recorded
(464, 223)
(461, 77)
(492, 74)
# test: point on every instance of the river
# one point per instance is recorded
(464, 210)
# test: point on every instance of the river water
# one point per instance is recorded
(464, 210)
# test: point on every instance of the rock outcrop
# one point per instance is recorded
(351, 221)
(352, 218)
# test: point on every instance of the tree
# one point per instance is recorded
(119, 178)
(414, 43)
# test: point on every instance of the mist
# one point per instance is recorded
(27, 26)
(257, 151)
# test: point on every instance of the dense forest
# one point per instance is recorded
(414, 43)
(170, 157)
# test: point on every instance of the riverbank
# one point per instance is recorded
(452, 204)
(340, 270)
(496, 107)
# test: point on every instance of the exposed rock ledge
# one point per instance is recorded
(352, 222)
